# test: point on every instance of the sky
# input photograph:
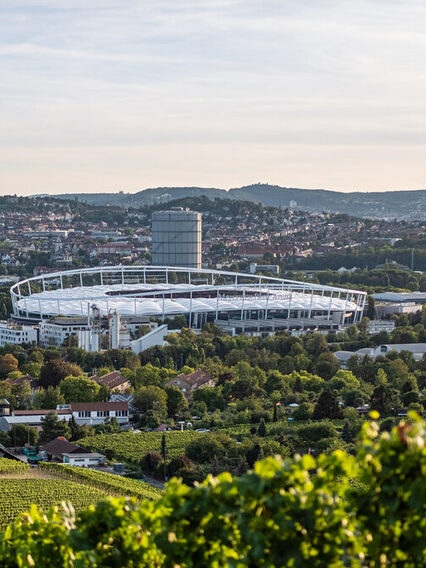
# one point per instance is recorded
(103, 96)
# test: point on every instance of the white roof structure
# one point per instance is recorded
(169, 291)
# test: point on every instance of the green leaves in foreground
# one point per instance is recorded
(331, 512)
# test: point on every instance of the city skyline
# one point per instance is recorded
(106, 97)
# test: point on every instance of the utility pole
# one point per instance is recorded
(412, 259)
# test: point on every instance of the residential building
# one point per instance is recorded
(114, 381)
(12, 333)
(190, 383)
(55, 449)
(93, 413)
(33, 383)
(4, 407)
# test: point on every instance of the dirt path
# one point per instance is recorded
(30, 474)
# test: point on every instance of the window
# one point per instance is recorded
(102, 413)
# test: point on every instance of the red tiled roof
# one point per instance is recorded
(111, 380)
(195, 379)
(36, 412)
(21, 380)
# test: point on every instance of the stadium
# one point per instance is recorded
(237, 302)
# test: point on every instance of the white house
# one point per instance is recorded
(83, 459)
(84, 413)
(97, 412)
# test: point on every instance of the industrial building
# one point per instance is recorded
(238, 303)
(176, 238)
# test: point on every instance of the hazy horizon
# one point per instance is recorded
(52, 194)
(107, 97)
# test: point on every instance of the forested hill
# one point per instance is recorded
(387, 204)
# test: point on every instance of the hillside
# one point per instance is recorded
(51, 484)
(387, 204)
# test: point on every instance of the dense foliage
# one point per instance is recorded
(338, 510)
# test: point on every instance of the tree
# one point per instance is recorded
(48, 398)
(261, 431)
(212, 396)
(150, 462)
(298, 385)
(327, 365)
(316, 344)
(371, 310)
(52, 427)
(8, 363)
(22, 393)
(275, 417)
(346, 433)
(207, 447)
(32, 368)
(79, 389)
(21, 435)
(176, 401)
(55, 370)
(303, 412)
(327, 406)
(163, 447)
(253, 454)
(77, 431)
(385, 400)
(150, 398)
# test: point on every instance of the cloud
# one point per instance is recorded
(269, 74)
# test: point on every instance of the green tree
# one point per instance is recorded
(48, 398)
(327, 406)
(261, 431)
(346, 432)
(384, 400)
(371, 310)
(77, 431)
(150, 398)
(79, 389)
(176, 401)
(22, 435)
(55, 370)
(275, 416)
(52, 427)
(163, 447)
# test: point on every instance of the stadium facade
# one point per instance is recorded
(237, 302)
